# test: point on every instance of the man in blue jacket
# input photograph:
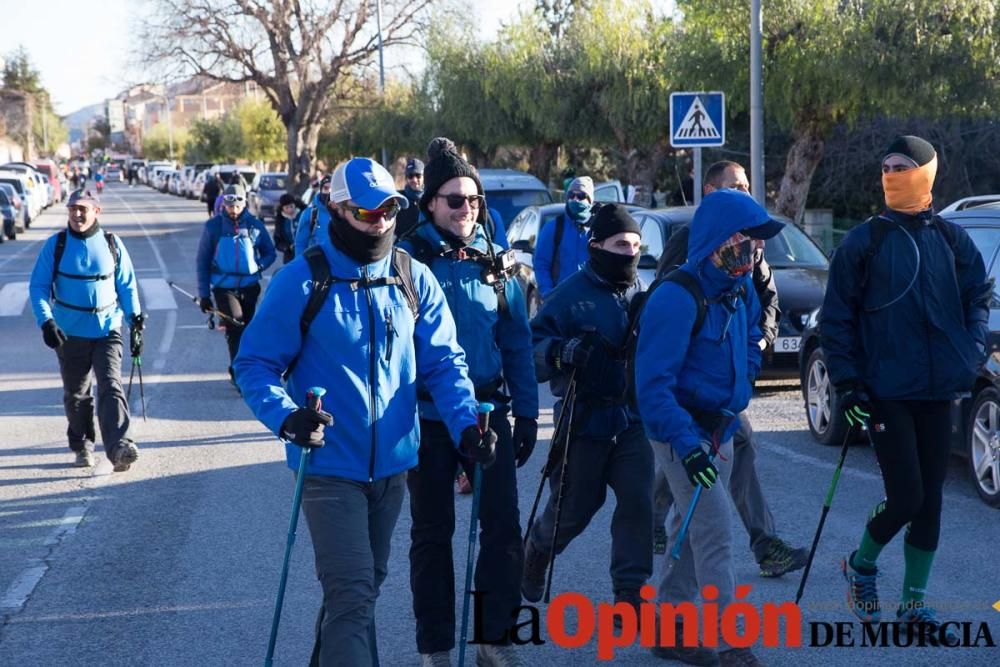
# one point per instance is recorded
(580, 331)
(234, 251)
(81, 288)
(692, 363)
(313, 219)
(492, 321)
(561, 248)
(365, 346)
(904, 331)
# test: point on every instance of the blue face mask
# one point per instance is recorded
(578, 210)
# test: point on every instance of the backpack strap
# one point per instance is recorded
(691, 284)
(57, 257)
(946, 230)
(403, 266)
(556, 240)
(879, 228)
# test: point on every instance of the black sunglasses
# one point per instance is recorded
(578, 195)
(455, 201)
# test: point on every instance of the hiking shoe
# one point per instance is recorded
(781, 559)
(862, 592)
(436, 659)
(496, 655)
(84, 459)
(628, 596)
(917, 612)
(659, 540)
(691, 655)
(126, 453)
(533, 575)
(739, 657)
(464, 486)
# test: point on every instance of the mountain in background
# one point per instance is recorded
(78, 120)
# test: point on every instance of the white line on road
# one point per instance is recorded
(13, 298)
(20, 252)
(24, 584)
(156, 294)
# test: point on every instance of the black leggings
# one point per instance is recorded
(912, 443)
(239, 304)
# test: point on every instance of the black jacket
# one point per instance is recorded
(675, 254)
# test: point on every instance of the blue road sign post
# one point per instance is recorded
(697, 120)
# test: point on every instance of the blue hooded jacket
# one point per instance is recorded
(366, 350)
(306, 234)
(930, 343)
(677, 372)
(497, 347)
(233, 253)
(87, 255)
(572, 250)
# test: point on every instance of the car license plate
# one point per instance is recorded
(786, 344)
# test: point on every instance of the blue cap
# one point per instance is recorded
(365, 182)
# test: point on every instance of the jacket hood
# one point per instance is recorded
(720, 215)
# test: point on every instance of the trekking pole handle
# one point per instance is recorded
(484, 411)
(314, 398)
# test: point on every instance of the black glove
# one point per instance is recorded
(525, 436)
(135, 334)
(304, 427)
(53, 336)
(478, 446)
(574, 352)
(206, 305)
(855, 403)
(701, 471)
(138, 321)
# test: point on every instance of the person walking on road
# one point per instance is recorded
(492, 321)
(213, 187)
(561, 249)
(408, 217)
(234, 251)
(367, 346)
(82, 286)
(314, 219)
(697, 355)
(774, 556)
(905, 331)
(284, 227)
(580, 332)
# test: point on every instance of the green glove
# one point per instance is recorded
(856, 405)
(700, 469)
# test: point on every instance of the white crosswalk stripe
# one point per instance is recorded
(156, 294)
(13, 299)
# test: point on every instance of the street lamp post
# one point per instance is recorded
(757, 185)
(170, 129)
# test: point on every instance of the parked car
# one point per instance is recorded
(20, 183)
(232, 173)
(971, 202)
(9, 215)
(264, 193)
(38, 185)
(51, 171)
(20, 209)
(114, 174)
(510, 191)
(976, 419)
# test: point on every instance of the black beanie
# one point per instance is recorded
(444, 163)
(915, 148)
(285, 200)
(611, 219)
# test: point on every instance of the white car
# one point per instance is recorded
(27, 190)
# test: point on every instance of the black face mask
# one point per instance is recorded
(93, 229)
(324, 198)
(362, 248)
(619, 270)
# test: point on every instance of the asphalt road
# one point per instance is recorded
(176, 562)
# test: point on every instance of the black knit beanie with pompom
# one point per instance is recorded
(443, 164)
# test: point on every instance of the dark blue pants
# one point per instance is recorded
(500, 558)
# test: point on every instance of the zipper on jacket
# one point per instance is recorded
(371, 371)
(390, 334)
(236, 253)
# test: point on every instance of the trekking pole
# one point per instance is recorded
(547, 468)
(477, 478)
(210, 311)
(559, 498)
(826, 510)
(314, 401)
(727, 419)
(136, 362)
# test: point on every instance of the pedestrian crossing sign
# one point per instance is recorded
(697, 120)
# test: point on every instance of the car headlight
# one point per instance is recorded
(811, 320)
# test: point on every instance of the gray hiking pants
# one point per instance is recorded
(744, 488)
(351, 526)
(707, 550)
(77, 357)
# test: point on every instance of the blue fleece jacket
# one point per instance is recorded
(366, 350)
(87, 279)
(233, 253)
(677, 372)
(572, 251)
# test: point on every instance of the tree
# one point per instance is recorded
(261, 130)
(296, 52)
(828, 62)
(19, 74)
(49, 130)
(156, 143)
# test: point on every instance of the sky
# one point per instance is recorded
(81, 48)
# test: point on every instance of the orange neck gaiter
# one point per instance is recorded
(910, 191)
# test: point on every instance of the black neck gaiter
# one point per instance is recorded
(620, 271)
(362, 248)
(93, 229)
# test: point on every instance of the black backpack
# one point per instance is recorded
(638, 303)
(322, 281)
(60, 248)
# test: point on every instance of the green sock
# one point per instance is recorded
(866, 555)
(918, 571)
